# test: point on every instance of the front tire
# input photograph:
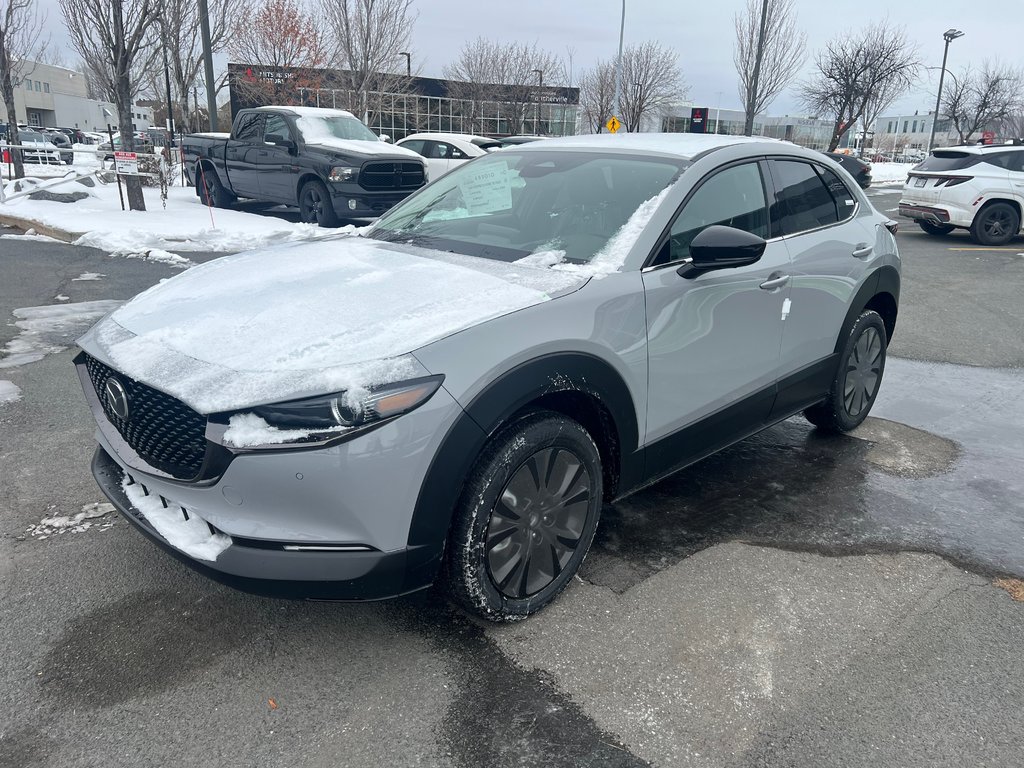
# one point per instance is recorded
(316, 206)
(526, 518)
(857, 380)
(995, 224)
(935, 229)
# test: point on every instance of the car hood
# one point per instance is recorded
(364, 149)
(309, 319)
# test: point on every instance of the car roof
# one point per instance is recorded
(470, 137)
(980, 149)
(307, 111)
(682, 145)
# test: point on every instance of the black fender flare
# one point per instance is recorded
(885, 279)
(498, 402)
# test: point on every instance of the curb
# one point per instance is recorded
(43, 229)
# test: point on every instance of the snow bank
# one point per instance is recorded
(184, 225)
(191, 536)
(50, 329)
(9, 392)
(889, 173)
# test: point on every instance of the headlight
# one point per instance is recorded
(316, 419)
(342, 173)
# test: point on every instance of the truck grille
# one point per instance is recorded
(162, 430)
(379, 176)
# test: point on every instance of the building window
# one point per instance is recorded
(28, 84)
(905, 124)
(46, 87)
(39, 86)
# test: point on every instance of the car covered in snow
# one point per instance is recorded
(324, 161)
(445, 151)
(458, 390)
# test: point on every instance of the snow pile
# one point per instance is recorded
(88, 276)
(277, 324)
(9, 392)
(890, 173)
(247, 429)
(77, 523)
(542, 259)
(191, 536)
(159, 256)
(184, 225)
(50, 329)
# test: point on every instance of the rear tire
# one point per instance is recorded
(935, 229)
(211, 191)
(316, 206)
(526, 518)
(995, 224)
(857, 379)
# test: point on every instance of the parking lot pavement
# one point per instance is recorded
(799, 599)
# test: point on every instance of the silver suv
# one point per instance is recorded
(457, 392)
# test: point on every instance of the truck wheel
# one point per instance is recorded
(526, 518)
(211, 191)
(315, 206)
(935, 229)
(995, 224)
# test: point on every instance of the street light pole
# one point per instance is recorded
(949, 36)
(540, 87)
(618, 63)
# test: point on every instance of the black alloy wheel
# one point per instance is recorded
(315, 205)
(935, 229)
(526, 518)
(995, 224)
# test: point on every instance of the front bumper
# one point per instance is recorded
(354, 202)
(253, 566)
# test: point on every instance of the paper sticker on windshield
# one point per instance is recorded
(488, 190)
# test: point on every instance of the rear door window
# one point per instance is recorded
(416, 145)
(802, 201)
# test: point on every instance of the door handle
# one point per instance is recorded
(862, 250)
(774, 281)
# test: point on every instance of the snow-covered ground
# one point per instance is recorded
(183, 225)
(889, 173)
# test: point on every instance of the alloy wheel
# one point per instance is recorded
(998, 223)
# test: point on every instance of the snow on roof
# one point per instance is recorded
(310, 111)
(470, 137)
(685, 145)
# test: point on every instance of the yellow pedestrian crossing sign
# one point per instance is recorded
(613, 124)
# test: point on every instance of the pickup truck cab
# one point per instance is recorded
(325, 161)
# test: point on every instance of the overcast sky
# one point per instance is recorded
(701, 31)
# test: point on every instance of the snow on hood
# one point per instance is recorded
(315, 318)
(356, 147)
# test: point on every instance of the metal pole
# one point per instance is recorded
(170, 107)
(938, 98)
(618, 63)
(211, 94)
(120, 193)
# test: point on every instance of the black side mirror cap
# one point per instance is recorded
(279, 141)
(720, 247)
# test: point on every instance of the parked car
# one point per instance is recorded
(536, 333)
(445, 151)
(63, 143)
(42, 150)
(515, 141)
(140, 143)
(978, 188)
(856, 167)
(74, 134)
(323, 160)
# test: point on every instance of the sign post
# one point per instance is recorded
(110, 134)
(613, 124)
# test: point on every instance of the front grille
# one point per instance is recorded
(163, 431)
(379, 176)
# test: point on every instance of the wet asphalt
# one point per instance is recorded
(796, 599)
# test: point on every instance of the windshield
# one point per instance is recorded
(512, 204)
(314, 129)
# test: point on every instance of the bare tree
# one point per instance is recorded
(113, 37)
(21, 41)
(782, 54)
(597, 94)
(472, 80)
(365, 39)
(180, 34)
(1012, 126)
(853, 70)
(981, 99)
(651, 82)
(283, 50)
(876, 105)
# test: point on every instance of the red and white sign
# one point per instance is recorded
(127, 163)
(987, 137)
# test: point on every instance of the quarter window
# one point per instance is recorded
(802, 201)
(249, 127)
(733, 198)
(846, 202)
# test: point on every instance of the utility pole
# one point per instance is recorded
(618, 63)
(211, 92)
(748, 125)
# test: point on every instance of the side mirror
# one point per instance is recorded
(384, 137)
(718, 247)
(279, 141)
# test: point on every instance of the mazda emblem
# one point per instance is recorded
(117, 398)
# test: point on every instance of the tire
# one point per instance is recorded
(315, 206)
(502, 567)
(857, 379)
(211, 191)
(935, 229)
(995, 224)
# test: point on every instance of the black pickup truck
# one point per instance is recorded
(324, 161)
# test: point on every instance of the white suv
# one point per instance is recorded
(979, 188)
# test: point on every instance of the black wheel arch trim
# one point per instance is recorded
(493, 407)
(885, 279)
